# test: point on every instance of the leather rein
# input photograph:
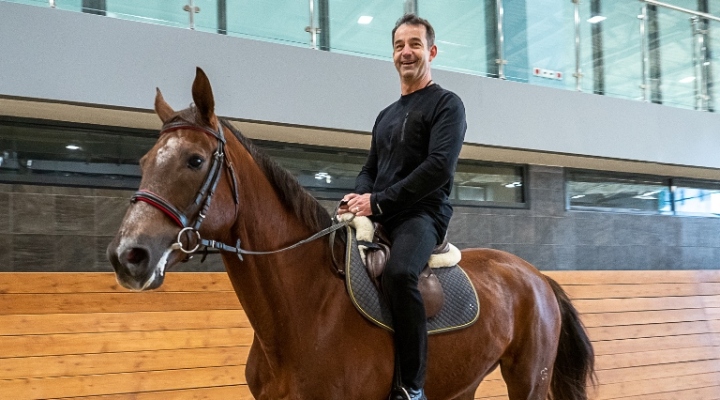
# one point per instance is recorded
(205, 195)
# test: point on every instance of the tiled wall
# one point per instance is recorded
(45, 228)
(552, 238)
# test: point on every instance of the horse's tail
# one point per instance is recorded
(575, 362)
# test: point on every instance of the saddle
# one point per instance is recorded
(375, 247)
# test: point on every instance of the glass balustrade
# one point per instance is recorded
(665, 52)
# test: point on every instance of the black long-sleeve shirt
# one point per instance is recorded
(415, 146)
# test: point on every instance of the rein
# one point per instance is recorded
(206, 192)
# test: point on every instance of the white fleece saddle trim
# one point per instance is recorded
(364, 230)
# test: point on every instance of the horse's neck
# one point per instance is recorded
(279, 292)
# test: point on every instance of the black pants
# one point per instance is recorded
(413, 240)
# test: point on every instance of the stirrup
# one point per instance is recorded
(401, 393)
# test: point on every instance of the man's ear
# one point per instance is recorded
(433, 52)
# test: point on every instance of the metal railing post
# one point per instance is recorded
(700, 63)
(578, 67)
(410, 7)
(500, 60)
(644, 52)
(192, 10)
(312, 29)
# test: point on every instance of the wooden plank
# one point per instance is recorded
(643, 304)
(651, 357)
(656, 343)
(643, 317)
(616, 375)
(236, 392)
(490, 388)
(632, 277)
(104, 282)
(89, 343)
(92, 385)
(646, 290)
(27, 324)
(71, 303)
(647, 330)
(646, 387)
(110, 363)
(706, 393)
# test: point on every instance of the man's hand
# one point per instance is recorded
(358, 204)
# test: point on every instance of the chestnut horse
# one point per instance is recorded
(310, 343)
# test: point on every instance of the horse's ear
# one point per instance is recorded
(203, 96)
(162, 108)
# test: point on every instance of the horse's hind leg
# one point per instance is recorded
(528, 377)
(527, 366)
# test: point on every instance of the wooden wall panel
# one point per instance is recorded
(80, 335)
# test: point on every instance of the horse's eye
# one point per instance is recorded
(195, 162)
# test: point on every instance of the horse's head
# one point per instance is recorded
(179, 175)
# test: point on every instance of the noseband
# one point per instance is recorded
(206, 192)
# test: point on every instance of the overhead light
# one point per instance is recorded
(647, 195)
(578, 196)
(596, 19)
(688, 79)
(365, 19)
(323, 176)
(514, 184)
(73, 147)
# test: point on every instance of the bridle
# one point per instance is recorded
(205, 195)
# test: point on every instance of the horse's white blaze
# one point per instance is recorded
(139, 214)
(168, 151)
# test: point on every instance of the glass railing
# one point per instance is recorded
(663, 52)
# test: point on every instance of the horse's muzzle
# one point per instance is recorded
(134, 267)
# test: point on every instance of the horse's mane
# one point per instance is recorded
(291, 193)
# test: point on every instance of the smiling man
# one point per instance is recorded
(405, 184)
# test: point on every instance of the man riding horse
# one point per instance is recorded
(405, 184)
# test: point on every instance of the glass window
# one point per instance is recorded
(677, 73)
(540, 38)
(33, 153)
(696, 197)
(363, 27)
(72, 5)
(620, 46)
(281, 21)
(91, 156)
(491, 184)
(165, 12)
(459, 34)
(614, 191)
(327, 173)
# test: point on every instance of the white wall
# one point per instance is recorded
(73, 57)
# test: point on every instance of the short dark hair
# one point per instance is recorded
(412, 19)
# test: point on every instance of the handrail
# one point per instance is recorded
(685, 10)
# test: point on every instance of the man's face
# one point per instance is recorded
(411, 53)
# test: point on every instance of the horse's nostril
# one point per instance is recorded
(136, 255)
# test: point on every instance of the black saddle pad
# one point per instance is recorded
(460, 310)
